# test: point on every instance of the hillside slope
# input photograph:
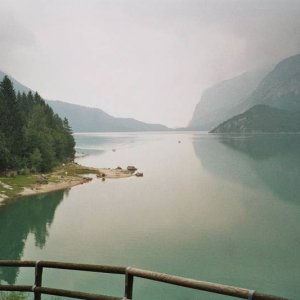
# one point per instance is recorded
(261, 119)
(274, 106)
(87, 119)
(220, 102)
(17, 85)
(280, 88)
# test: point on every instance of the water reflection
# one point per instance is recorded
(98, 143)
(19, 218)
(102, 141)
(271, 160)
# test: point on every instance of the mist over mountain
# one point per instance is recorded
(87, 119)
(221, 101)
(280, 88)
(274, 106)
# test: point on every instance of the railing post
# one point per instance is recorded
(38, 280)
(128, 284)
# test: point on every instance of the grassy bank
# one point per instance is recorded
(63, 177)
(11, 187)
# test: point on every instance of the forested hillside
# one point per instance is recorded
(261, 118)
(275, 104)
(31, 135)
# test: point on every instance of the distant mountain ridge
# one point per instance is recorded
(221, 101)
(280, 88)
(274, 106)
(87, 119)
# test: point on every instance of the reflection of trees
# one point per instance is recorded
(274, 159)
(17, 220)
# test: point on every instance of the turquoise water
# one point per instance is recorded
(224, 209)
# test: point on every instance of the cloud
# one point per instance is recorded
(13, 37)
(145, 59)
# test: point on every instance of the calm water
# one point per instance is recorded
(220, 209)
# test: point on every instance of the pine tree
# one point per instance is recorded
(11, 120)
(31, 135)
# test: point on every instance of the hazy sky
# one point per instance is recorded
(147, 59)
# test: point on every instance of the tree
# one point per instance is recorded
(11, 121)
(4, 153)
(36, 159)
(30, 133)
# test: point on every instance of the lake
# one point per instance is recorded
(224, 209)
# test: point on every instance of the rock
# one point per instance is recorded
(118, 168)
(139, 174)
(11, 173)
(131, 168)
(42, 180)
(101, 175)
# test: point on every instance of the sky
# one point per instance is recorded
(146, 59)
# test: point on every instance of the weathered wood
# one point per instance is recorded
(129, 276)
(83, 267)
(128, 285)
(74, 294)
(15, 288)
(38, 280)
(191, 283)
(196, 284)
(17, 263)
(261, 296)
(65, 266)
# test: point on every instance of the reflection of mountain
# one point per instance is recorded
(270, 159)
(18, 219)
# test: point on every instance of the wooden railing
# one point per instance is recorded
(129, 273)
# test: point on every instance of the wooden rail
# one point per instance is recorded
(129, 273)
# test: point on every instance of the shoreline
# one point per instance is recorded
(52, 187)
(62, 178)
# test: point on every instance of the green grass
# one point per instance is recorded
(17, 184)
(74, 170)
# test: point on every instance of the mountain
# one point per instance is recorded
(221, 101)
(261, 119)
(17, 85)
(276, 103)
(280, 88)
(87, 119)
